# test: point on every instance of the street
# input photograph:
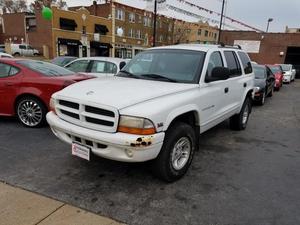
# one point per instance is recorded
(243, 178)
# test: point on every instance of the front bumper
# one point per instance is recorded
(287, 78)
(116, 146)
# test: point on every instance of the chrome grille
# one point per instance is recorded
(93, 116)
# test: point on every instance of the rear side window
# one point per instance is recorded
(245, 62)
(232, 63)
(22, 47)
(7, 70)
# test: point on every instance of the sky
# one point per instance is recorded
(251, 12)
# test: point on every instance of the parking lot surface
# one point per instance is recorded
(249, 177)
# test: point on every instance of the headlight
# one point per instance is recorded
(136, 125)
(52, 105)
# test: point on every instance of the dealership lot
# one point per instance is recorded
(248, 177)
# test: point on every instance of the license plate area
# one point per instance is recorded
(81, 151)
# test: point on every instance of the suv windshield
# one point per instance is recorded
(166, 65)
(45, 68)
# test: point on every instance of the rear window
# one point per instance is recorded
(260, 72)
(245, 62)
(286, 67)
(47, 69)
(275, 69)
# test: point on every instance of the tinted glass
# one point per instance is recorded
(47, 69)
(260, 72)
(178, 65)
(22, 47)
(215, 60)
(245, 62)
(232, 63)
(4, 70)
(79, 66)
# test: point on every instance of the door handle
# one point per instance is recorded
(226, 90)
(245, 84)
(9, 84)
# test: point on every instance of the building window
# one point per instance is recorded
(215, 36)
(145, 21)
(67, 24)
(170, 27)
(120, 14)
(131, 33)
(199, 32)
(206, 33)
(139, 34)
(188, 31)
(146, 40)
(131, 17)
(30, 24)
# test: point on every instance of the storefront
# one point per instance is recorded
(68, 47)
(100, 49)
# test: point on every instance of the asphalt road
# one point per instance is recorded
(238, 178)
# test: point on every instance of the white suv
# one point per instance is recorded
(23, 50)
(157, 106)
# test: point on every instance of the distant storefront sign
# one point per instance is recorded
(248, 46)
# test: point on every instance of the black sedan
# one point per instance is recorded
(264, 83)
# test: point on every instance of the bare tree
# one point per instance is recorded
(47, 3)
(13, 6)
(181, 32)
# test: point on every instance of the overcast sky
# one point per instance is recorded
(252, 12)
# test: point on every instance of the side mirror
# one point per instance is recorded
(218, 73)
(122, 64)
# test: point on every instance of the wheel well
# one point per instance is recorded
(192, 119)
(189, 118)
(249, 94)
(28, 95)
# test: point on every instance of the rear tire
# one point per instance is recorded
(239, 121)
(17, 54)
(262, 100)
(177, 152)
(31, 112)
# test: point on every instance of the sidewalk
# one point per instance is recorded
(19, 207)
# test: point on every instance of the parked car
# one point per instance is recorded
(289, 73)
(5, 55)
(2, 48)
(264, 83)
(27, 85)
(63, 60)
(97, 66)
(278, 73)
(157, 106)
(23, 50)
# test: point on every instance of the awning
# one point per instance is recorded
(63, 41)
(96, 44)
(101, 29)
(67, 23)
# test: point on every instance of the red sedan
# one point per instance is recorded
(26, 87)
(278, 73)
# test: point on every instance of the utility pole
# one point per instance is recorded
(221, 21)
(154, 23)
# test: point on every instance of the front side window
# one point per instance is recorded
(79, 66)
(246, 62)
(232, 63)
(166, 65)
(111, 68)
(215, 60)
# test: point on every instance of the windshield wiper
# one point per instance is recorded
(159, 77)
(128, 74)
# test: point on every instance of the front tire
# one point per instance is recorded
(31, 112)
(239, 121)
(177, 152)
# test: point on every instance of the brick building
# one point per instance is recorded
(75, 33)
(185, 32)
(133, 27)
(266, 48)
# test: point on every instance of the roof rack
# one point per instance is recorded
(222, 45)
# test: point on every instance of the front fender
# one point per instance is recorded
(180, 111)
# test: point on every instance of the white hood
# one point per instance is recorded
(121, 92)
